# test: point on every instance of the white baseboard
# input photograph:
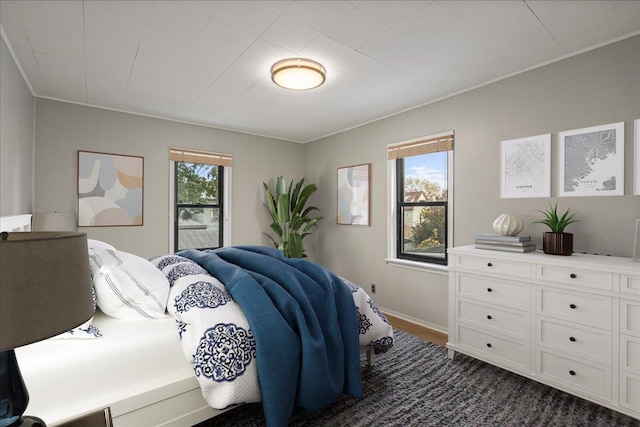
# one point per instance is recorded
(415, 320)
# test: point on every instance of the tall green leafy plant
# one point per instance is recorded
(291, 220)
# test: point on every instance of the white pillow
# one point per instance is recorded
(98, 244)
(128, 286)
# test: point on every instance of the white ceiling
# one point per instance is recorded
(208, 62)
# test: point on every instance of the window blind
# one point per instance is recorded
(201, 157)
(432, 144)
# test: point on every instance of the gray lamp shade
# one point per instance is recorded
(54, 221)
(45, 286)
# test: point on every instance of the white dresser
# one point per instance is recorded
(572, 322)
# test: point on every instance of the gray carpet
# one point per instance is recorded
(415, 384)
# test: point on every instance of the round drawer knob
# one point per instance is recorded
(573, 275)
(489, 290)
(489, 317)
(572, 306)
(572, 339)
(489, 344)
(572, 372)
(489, 264)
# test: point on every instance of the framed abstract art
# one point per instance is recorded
(110, 189)
(354, 183)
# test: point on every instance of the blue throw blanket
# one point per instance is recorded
(304, 322)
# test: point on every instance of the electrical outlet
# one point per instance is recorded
(373, 288)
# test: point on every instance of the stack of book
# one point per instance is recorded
(497, 242)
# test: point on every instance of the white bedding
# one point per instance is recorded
(135, 363)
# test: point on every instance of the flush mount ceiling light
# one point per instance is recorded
(298, 73)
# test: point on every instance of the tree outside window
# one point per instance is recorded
(198, 205)
(422, 202)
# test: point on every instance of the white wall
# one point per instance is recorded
(16, 138)
(594, 88)
(62, 129)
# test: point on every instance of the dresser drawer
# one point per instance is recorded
(589, 378)
(491, 265)
(574, 276)
(501, 320)
(513, 354)
(630, 317)
(630, 354)
(581, 341)
(583, 308)
(511, 294)
(630, 284)
(630, 391)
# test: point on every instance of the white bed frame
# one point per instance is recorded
(142, 385)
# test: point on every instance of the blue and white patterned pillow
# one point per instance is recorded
(214, 332)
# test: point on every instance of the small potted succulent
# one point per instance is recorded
(556, 241)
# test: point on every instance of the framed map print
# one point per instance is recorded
(525, 167)
(591, 161)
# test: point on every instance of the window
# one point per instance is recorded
(199, 195)
(420, 203)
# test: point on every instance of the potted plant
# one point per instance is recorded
(556, 241)
(291, 221)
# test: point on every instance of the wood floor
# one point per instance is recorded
(418, 330)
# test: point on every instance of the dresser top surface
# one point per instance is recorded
(594, 262)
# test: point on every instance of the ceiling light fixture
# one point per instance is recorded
(298, 73)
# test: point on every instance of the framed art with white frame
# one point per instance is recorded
(591, 161)
(525, 167)
(354, 183)
(636, 149)
(636, 246)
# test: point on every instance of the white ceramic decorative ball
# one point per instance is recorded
(508, 225)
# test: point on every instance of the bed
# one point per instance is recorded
(144, 381)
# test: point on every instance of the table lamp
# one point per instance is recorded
(45, 290)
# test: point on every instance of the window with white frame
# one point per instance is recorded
(420, 177)
(198, 199)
